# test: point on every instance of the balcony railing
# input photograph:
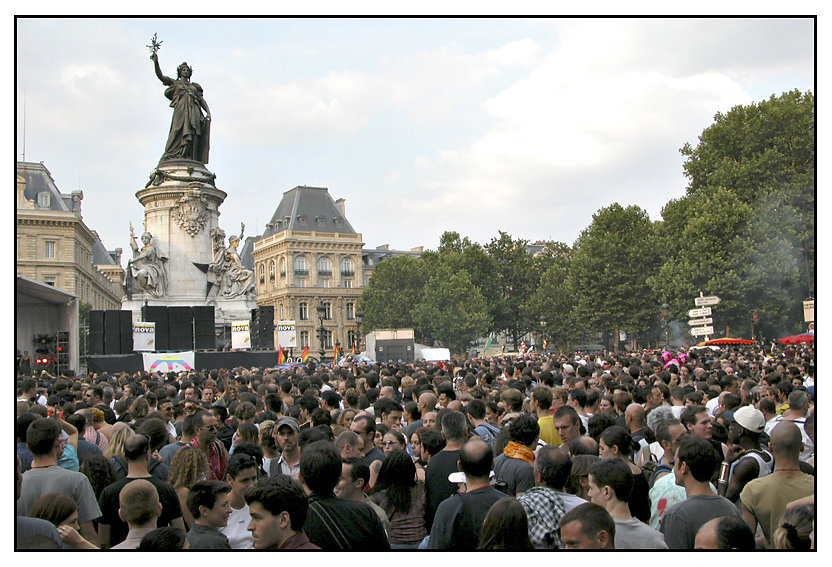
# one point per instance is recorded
(301, 273)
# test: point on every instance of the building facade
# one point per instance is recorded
(55, 247)
(308, 257)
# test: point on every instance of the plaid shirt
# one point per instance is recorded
(544, 509)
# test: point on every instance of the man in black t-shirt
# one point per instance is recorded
(112, 529)
(92, 398)
(365, 427)
(437, 485)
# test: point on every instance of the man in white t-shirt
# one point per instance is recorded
(242, 473)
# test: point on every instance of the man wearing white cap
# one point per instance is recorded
(747, 458)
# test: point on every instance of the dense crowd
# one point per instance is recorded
(705, 448)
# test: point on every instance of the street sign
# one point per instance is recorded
(703, 321)
(698, 331)
(707, 300)
(701, 312)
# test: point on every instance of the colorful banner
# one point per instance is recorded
(240, 335)
(304, 356)
(280, 356)
(144, 336)
(168, 361)
(287, 334)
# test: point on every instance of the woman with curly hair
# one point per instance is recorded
(138, 409)
(346, 417)
(403, 498)
(62, 512)
(95, 435)
(100, 472)
(187, 467)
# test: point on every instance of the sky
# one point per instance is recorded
(476, 125)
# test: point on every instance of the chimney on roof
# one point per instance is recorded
(77, 196)
(341, 205)
(117, 255)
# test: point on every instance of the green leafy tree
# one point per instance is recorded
(395, 287)
(747, 213)
(515, 278)
(610, 265)
(553, 301)
(452, 309)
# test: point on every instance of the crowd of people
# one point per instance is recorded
(687, 449)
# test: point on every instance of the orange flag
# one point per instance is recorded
(305, 354)
(280, 356)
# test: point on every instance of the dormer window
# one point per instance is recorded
(285, 222)
(44, 199)
(302, 220)
(339, 222)
(320, 220)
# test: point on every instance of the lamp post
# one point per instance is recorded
(321, 330)
(359, 315)
(666, 323)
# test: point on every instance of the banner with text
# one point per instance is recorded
(168, 361)
(240, 335)
(144, 336)
(287, 334)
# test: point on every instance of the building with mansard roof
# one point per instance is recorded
(55, 247)
(310, 256)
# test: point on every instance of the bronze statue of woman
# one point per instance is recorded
(189, 128)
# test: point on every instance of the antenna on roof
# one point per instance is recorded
(24, 124)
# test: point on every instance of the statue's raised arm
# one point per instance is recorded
(165, 80)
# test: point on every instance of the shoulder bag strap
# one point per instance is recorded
(330, 524)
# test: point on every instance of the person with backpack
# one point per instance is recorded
(746, 456)
(475, 410)
(664, 492)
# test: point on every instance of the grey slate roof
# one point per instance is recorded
(247, 252)
(39, 179)
(100, 255)
(307, 208)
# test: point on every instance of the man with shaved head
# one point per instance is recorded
(449, 532)
(764, 499)
(426, 403)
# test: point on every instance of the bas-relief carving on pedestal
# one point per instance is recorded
(191, 211)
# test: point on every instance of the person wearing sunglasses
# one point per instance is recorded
(205, 426)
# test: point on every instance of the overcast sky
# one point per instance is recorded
(528, 126)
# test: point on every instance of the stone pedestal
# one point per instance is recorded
(181, 207)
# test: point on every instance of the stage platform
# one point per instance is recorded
(131, 363)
